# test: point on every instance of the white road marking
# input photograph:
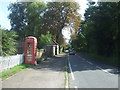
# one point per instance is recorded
(102, 69)
(72, 75)
(92, 64)
(106, 71)
(83, 59)
(89, 62)
(99, 67)
(76, 88)
(80, 57)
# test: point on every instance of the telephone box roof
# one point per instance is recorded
(31, 37)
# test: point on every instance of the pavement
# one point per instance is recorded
(86, 73)
(48, 74)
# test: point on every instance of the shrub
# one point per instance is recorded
(8, 42)
(45, 39)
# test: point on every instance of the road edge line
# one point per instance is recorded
(72, 75)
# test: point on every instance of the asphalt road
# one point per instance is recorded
(85, 73)
(47, 74)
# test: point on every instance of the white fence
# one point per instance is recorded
(10, 61)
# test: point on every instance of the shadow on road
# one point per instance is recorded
(78, 64)
(56, 63)
(47, 74)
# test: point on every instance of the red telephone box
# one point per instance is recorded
(30, 50)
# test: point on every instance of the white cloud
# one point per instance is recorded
(83, 6)
(66, 32)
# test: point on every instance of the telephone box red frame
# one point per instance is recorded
(31, 49)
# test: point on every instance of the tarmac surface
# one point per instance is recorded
(47, 74)
(87, 73)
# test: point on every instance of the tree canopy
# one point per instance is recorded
(99, 31)
(26, 18)
(59, 15)
(8, 43)
(36, 18)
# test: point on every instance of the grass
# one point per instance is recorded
(112, 59)
(5, 74)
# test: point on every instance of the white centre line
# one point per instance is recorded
(81, 57)
(84, 60)
(76, 88)
(89, 62)
(92, 64)
(72, 75)
(99, 67)
(102, 69)
(106, 71)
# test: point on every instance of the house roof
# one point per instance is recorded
(53, 43)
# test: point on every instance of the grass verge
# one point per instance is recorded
(5, 74)
(66, 77)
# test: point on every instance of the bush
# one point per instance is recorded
(45, 40)
(8, 44)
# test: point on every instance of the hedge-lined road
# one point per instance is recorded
(85, 73)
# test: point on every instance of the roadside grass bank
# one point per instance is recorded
(110, 60)
(5, 74)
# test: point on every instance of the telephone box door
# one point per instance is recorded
(30, 50)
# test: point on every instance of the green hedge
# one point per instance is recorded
(8, 44)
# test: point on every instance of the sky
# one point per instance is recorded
(5, 22)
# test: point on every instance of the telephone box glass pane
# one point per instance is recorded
(29, 51)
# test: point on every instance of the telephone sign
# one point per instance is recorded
(30, 50)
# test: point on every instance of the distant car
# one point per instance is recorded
(71, 52)
(66, 51)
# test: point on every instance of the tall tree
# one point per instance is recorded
(34, 17)
(58, 15)
(26, 18)
(100, 28)
(17, 18)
